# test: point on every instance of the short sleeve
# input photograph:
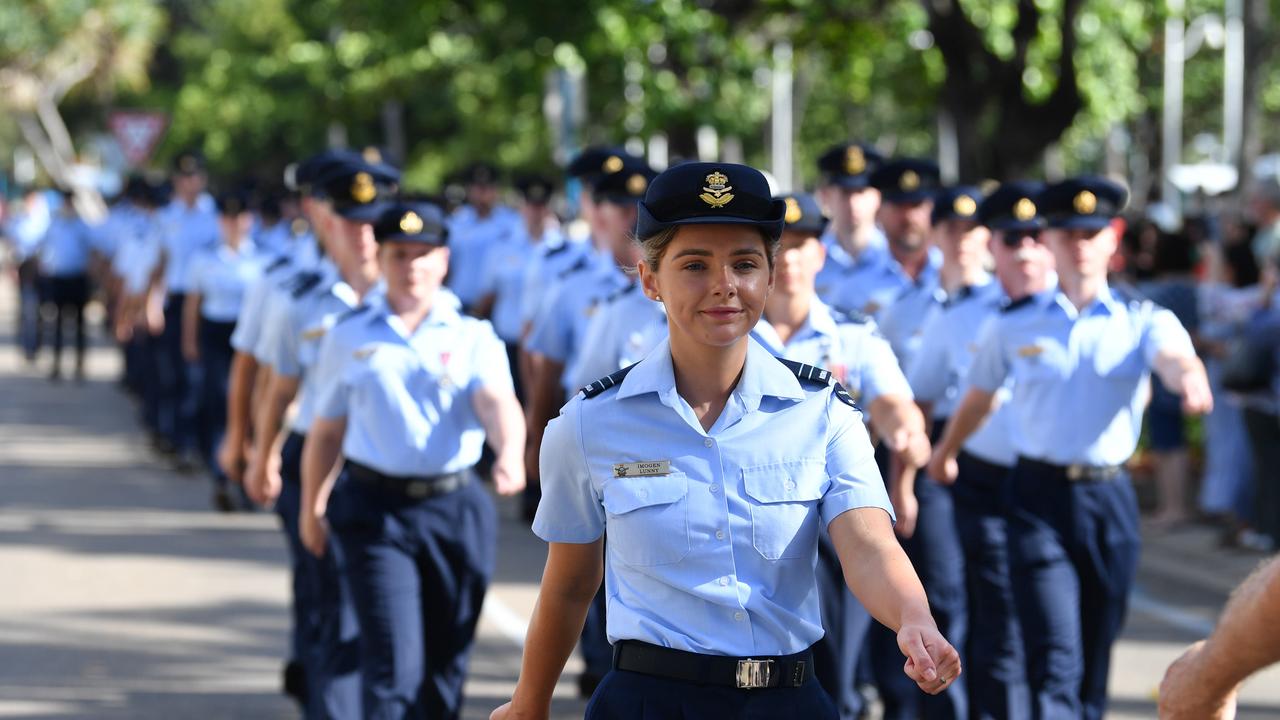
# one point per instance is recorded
(531, 288)
(989, 368)
(855, 480)
(249, 322)
(278, 345)
(570, 510)
(599, 349)
(330, 386)
(930, 367)
(879, 369)
(1164, 334)
(551, 334)
(196, 272)
(489, 359)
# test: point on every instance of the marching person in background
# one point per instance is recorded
(478, 227)
(24, 227)
(1079, 356)
(853, 240)
(215, 292)
(409, 392)
(713, 466)
(996, 679)
(65, 252)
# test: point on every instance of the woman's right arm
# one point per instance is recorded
(569, 582)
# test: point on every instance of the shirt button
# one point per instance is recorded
(719, 534)
(791, 484)
(643, 493)
(707, 442)
(738, 616)
(714, 488)
(724, 581)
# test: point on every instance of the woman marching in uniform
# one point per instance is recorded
(713, 465)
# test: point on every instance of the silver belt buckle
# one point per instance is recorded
(417, 489)
(754, 673)
(1075, 473)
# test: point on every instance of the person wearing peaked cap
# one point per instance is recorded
(216, 288)
(130, 266)
(187, 226)
(592, 161)
(713, 512)
(798, 326)
(853, 240)
(413, 390)
(1086, 350)
(301, 311)
(478, 228)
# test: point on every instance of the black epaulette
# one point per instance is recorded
(580, 265)
(1020, 302)
(816, 376)
(277, 264)
(353, 312)
(557, 249)
(1130, 295)
(305, 283)
(850, 317)
(606, 382)
(619, 293)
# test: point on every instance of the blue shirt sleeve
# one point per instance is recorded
(571, 509)
(280, 345)
(931, 365)
(1165, 334)
(878, 367)
(489, 359)
(851, 466)
(989, 368)
(331, 386)
(552, 334)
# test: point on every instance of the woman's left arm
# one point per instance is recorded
(878, 572)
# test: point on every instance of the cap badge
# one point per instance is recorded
(612, 164)
(1085, 202)
(854, 160)
(793, 211)
(188, 164)
(909, 181)
(362, 189)
(371, 155)
(537, 193)
(964, 206)
(717, 192)
(637, 184)
(1024, 209)
(411, 223)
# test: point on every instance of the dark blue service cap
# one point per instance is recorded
(358, 189)
(849, 165)
(535, 189)
(1012, 207)
(907, 180)
(1082, 203)
(232, 202)
(959, 202)
(188, 162)
(136, 190)
(702, 193)
(803, 214)
(419, 222)
(592, 160)
(480, 173)
(307, 174)
(625, 181)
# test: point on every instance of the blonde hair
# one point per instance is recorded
(653, 247)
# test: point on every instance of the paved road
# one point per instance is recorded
(123, 595)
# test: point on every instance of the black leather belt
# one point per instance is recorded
(1076, 472)
(736, 672)
(415, 487)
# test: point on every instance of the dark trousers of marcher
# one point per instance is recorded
(624, 695)
(30, 296)
(934, 550)
(418, 572)
(326, 630)
(1073, 554)
(179, 410)
(215, 361)
(846, 624)
(1263, 429)
(149, 351)
(993, 661)
(68, 294)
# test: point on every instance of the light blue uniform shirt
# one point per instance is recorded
(503, 276)
(1080, 378)
(624, 328)
(715, 553)
(407, 396)
(470, 240)
(559, 331)
(841, 268)
(879, 282)
(26, 228)
(542, 275)
(939, 367)
(66, 247)
(184, 231)
(903, 320)
(853, 350)
(222, 277)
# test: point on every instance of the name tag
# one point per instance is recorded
(648, 468)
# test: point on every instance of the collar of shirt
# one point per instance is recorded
(874, 253)
(1106, 303)
(762, 376)
(820, 322)
(442, 313)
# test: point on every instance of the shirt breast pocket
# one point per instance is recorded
(784, 499)
(648, 518)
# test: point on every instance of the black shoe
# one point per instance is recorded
(587, 684)
(295, 682)
(185, 463)
(222, 501)
(55, 375)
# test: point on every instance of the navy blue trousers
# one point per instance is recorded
(846, 624)
(934, 550)
(993, 660)
(624, 695)
(215, 362)
(418, 572)
(180, 397)
(1073, 554)
(326, 633)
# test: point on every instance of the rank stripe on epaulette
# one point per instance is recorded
(807, 372)
(843, 396)
(277, 264)
(606, 382)
(1020, 302)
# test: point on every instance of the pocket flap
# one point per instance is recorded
(623, 495)
(789, 481)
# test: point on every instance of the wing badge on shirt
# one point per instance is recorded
(314, 333)
(1030, 351)
(365, 352)
(645, 468)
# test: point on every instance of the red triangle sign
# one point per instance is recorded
(138, 132)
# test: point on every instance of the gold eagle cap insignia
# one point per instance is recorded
(1085, 202)
(637, 184)
(793, 211)
(909, 181)
(411, 223)
(362, 189)
(717, 192)
(612, 164)
(855, 161)
(1024, 209)
(965, 206)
